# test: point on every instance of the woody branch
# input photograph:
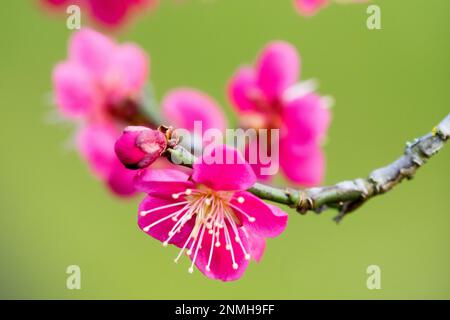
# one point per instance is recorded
(347, 196)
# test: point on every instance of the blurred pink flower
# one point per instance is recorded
(209, 214)
(311, 7)
(107, 13)
(268, 96)
(184, 106)
(98, 85)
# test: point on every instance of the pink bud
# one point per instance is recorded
(138, 147)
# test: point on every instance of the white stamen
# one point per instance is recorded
(143, 213)
(191, 270)
(241, 199)
(247, 256)
(175, 195)
(235, 266)
(188, 192)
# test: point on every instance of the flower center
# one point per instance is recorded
(214, 215)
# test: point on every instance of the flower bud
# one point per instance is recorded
(138, 147)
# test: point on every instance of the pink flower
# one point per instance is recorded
(108, 13)
(209, 214)
(99, 76)
(268, 96)
(99, 85)
(311, 7)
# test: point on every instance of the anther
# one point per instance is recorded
(235, 266)
(208, 268)
(175, 195)
(217, 244)
(191, 270)
(165, 243)
(228, 247)
(251, 219)
(189, 252)
(208, 202)
(188, 192)
(241, 199)
(247, 256)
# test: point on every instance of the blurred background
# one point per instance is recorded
(390, 86)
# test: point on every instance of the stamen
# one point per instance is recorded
(144, 213)
(199, 242)
(241, 199)
(147, 228)
(250, 218)
(188, 192)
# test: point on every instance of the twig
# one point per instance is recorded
(347, 196)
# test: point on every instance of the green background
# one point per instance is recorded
(390, 85)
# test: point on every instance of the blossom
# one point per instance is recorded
(99, 86)
(108, 13)
(209, 214)
(311, 7)
(268, 96)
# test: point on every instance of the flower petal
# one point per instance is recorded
(121, 179)
(109, 12)
(269, 221)
(257, 245)
(303, 165)
(162, 220)
(221, 265)
(162, 182)
(96, 145)
(309, 7)
(277, 68)
(75, 92)
(306, 119)
(223, 168)
(128, 71)
(240, 89)
(92, 50)
(184, 106)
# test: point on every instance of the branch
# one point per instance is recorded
(347, 196)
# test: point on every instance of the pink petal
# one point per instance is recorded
(96, 145)
(257, 245)
(160, 231)
(109, 12)
(306, 119)
(183, 106)
(162, 182)
(258, 166)
(128, 72)
(278, 68)
(241, 88)
(75, 92)
(92, 50)
(225, 169)
(221, 266)
(269, 221)
(309, 7)
(121, 180)
(303, 165)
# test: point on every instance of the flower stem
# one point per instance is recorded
(346, 196)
